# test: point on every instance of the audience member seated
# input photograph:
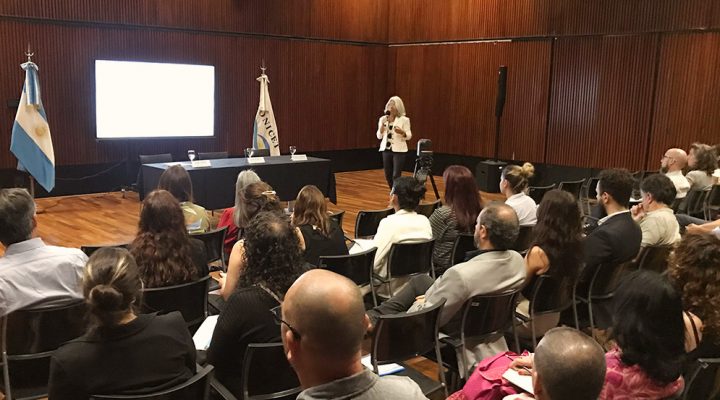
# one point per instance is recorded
(233, 233)
(177, 181)
(32, 273)
(256, 197)
(702, 161)
(123, 352)
(273, 261)
(462, 204)
(323, 325)
(657, 220)
(493, 269)
(556, 250)
(649, 333)
(672, 165)
(693, 271)
(567, 364)
(405, 225)
(514, 182)
(321, 234)
(617, 237)
(165, 253)
(704, 227)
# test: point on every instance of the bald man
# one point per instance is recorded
(672, 165)
(322, 329)
(567, 365)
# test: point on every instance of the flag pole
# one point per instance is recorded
(38, 210)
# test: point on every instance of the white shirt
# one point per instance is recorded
(524, 207)
(403, 226)
(604, 219)
(682, 185)
(32, 273)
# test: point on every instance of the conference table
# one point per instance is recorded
(214, 186)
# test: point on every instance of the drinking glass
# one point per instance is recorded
(249, 152)
(293, 149)
(191, 155)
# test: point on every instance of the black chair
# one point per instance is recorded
(484, 317)
(366, 223)
(213, 155)
(195, 388)
(694, 203)
(338, 217)
(597, 285)
(407, 259)
(464, 243)
(700, 382)
(149, 159)
(214, 242)
(537, 192)
(712, 203)
(357, 267)
(261, 152)
(653, 258)
(549, 294)
(589, 194)
(267, 374)
(90, 249)
(427, 209)
(572, 187)
(399, 337)
(188, 298)
(28, 339)
(525, 237)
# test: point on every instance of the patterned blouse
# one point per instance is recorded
(624, 382)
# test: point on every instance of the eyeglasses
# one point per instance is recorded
(277, 315)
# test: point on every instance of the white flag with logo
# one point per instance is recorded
(265, 134)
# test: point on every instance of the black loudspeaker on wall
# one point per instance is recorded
(488, 173)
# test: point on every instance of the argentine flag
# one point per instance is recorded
(31, 142)
(265, 135)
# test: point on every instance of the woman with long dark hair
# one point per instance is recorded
(321, 234)
(123, 352)
(462, 204)
(177, 181)
(273, 260)
(514, 180)
(165, 253)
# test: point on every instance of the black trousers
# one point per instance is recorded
(393, 164)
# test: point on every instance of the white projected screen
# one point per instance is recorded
(144, 100)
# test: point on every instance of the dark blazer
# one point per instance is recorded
(615, 241)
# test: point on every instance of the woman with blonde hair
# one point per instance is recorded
(513, 183)
(321, 234)
(394, 133)
(123, 352)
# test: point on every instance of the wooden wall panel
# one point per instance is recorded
(450, 92)
(325, 95)
(601, 101)
(687, 104)
(357, 20)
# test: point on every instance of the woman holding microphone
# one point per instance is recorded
(393, 133)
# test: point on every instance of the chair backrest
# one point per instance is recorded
(213, 155)
(338, 217)
(463, 243)
(155, 158)
(484, 316)
(607, 277)
(90, 249)
(427, 209)
(700, 382)
(551, 294)
(591, 188)
(188, 298)
(537, 192)
(261, 152)
(524, 239)
(195, 388)
(712, 203)
(267, 374)
(28, 339)
(357, 267)
(572, 187)
(410, 258)
(398, 337)
(366, 223)
(654, 258)
(214, 242)
(695, 201)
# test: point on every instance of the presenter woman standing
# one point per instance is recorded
(393, 133)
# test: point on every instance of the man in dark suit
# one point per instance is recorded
(617, 237)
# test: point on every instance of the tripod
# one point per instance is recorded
(423, 170)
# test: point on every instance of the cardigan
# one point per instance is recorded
(399, 143)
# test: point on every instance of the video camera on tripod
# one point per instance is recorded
(423, 164)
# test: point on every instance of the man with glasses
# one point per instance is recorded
(672, 165)
(323, 324)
